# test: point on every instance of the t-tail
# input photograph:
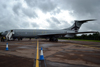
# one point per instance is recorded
(76, 26)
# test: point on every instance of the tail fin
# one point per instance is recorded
(76, 26)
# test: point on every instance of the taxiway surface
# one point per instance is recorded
(64, 53)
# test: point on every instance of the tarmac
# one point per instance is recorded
(64, 53)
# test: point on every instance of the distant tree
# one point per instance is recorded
(0, 34)
(89, 37)
(84, 36)
(94, 36)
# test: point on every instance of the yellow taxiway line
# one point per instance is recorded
(37, 55)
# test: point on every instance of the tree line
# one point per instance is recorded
(94, 36)
(0, 34)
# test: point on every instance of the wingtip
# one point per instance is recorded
(91, 19)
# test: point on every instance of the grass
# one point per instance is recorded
(83, 40)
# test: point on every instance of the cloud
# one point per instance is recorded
(84, 9)
(29, 12)
(52, 24)
(55, 24)
(31, 3)
(4, 5)
(55, 20)
(24, 25)
(44, 5)
(34, 25)
(55, 11)
(6, 25)
(50, 14)
(16, 8)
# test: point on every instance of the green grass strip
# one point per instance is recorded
(82, 40)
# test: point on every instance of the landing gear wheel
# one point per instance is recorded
(53, 39)
(18, 38)
(56, 40)
(50, 39)
(1, 39)
(21, 38)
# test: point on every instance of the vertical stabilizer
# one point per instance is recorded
(76, 26)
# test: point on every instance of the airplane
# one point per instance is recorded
(53, 35)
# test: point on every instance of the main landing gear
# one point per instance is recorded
(53, 39)
(19, 38)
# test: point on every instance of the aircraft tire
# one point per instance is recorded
(14, 38)
(50, 39)
(53, 39)
(1, 40)
(56, 40)
(19, 39)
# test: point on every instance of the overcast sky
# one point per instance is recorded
(48, 14)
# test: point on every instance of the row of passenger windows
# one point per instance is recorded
(42, 32)
(34, 32)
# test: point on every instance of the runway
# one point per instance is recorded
(64, 53)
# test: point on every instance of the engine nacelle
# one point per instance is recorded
(69, 35)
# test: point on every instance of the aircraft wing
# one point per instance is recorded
(85, 20)
(50, 34)
(84, 32)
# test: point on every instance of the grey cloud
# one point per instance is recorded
(7, 24)
(29, 12)
(62, 25)
(92, 26)
(4, 5)
(86, 8)
(7, 19)
(24, 25)
(55, 20)
(47, 6)
(16, 7)
(51, 24)
(82, 9)
(56, 11)
(44, 5)
(66, 24)
(31, 3)
(34, 25)
(48, 20)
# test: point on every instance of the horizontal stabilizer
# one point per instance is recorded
(85, 20)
